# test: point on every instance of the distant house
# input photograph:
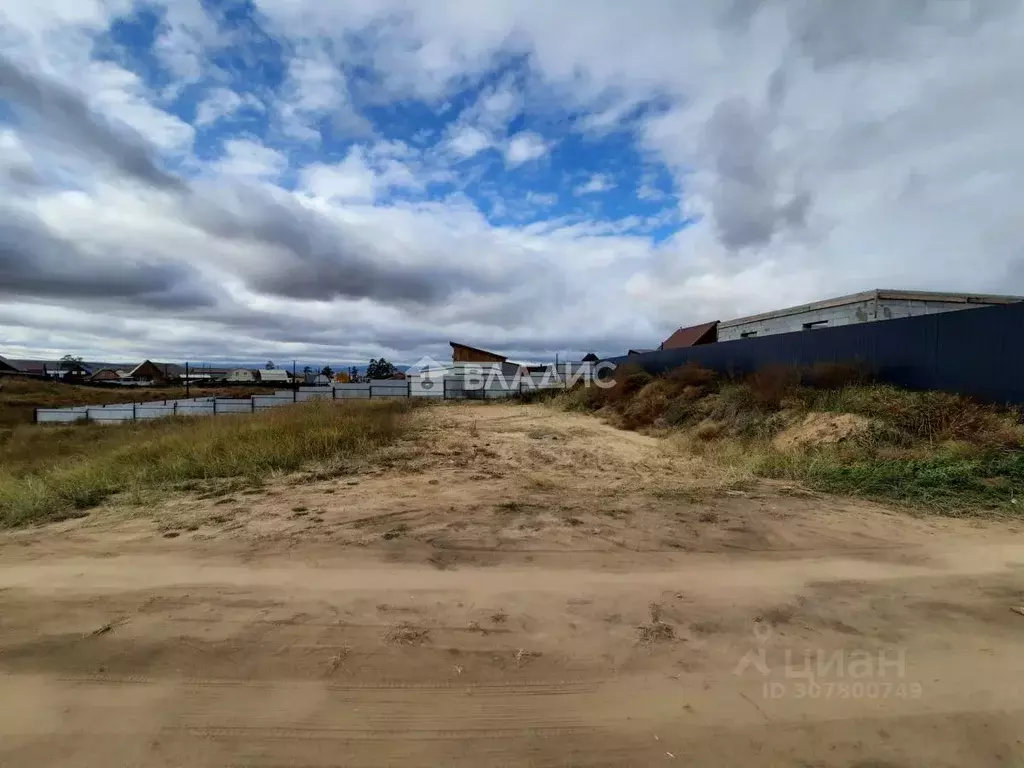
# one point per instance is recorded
(32, 367)
(590, 357)
(148, 371)
(276, 375)
(107, 374)
(462, 353)
(638, 352)
(705, 333)
(71, 372)
(205, 374)
(241, 376)
(7, 367)
(58, 369)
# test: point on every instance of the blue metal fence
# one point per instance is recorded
(976, 352)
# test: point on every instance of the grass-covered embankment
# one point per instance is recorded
(832, 430)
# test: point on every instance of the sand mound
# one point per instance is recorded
(822, 429)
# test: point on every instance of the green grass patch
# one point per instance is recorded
(949, 481)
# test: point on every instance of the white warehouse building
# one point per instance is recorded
(866, 307)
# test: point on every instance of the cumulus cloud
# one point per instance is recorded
(541, 198)
(596, 184)
(361, 176)
(36, 263)
(58, 111)
(316, 89)
(523, 148)
(744, 196)
(466, 141)
(247, 158)
(220, 103)
(816, 148)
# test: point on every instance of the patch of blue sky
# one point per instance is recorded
(584, 175)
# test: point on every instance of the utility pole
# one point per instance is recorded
(186, 381)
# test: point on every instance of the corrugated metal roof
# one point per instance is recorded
(877, 293)
(5, 363)
(694, 334)
(273, 374)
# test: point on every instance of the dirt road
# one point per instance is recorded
(515, 587)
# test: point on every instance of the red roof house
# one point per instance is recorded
(706, 333)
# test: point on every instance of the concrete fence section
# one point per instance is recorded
(448, 387)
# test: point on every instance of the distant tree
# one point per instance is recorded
(307, 371)
(327, 372)
(353, 374)
(69, 361)
(380, 369)
(270, 365)
(342, 378)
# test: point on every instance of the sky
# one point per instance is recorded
(335, 180)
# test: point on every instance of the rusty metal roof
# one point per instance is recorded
(691, 336)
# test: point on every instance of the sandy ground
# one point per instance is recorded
(515, 586)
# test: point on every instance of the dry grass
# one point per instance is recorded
(406, 634)
(935, 449)
(656, 630)
(19, 397)
(47, 473)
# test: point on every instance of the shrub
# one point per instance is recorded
(647, 406)
(773, 384)
(537, 395)
(692, 375)
(835, 375)
(709, 430)
(582, 398)
(928, 415)
(680, 411)
(629, 379)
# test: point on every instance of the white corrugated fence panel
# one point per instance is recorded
(59, 415)
(352, 391)
(111, 414)
(194, 409)
(270, 401)
(234, 406)
(304, 396)
(153, 411)
(427, 387)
